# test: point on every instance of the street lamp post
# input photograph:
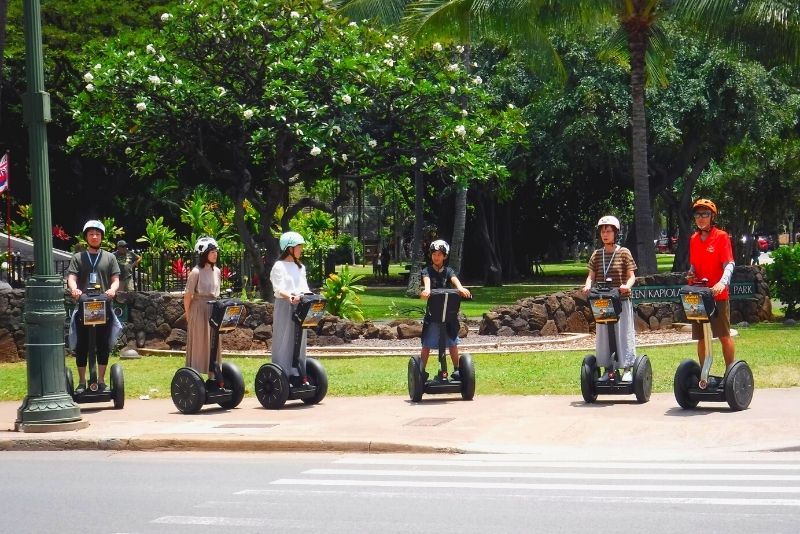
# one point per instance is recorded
(47, 406)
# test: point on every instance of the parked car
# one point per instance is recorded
(763, 244)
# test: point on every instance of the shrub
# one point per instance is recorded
(342, 295)
(784, 278)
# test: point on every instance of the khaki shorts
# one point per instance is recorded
(720, 324)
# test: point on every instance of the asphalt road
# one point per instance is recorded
(92, 492)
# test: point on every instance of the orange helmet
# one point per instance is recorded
(704, 203)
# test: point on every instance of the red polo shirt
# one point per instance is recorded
(710, 256)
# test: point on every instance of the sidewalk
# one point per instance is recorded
(561, 425)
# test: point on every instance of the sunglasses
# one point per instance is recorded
(702, 214)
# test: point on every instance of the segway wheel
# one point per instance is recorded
(739, 386)
(642, 378)
(589, 373)
(188, 390)
(416, 385)
(234, 381)
(317, 377)
(272, 386)
(687, 375)
(117, 386)
(70, 382)
(466, 367)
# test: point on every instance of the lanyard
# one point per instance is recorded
(610, 261)
(96, 259)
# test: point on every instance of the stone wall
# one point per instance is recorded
(570, 312)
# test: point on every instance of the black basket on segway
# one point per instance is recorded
(94, 310)
(693, 383)
(274, 385)
(189, 391)
(606, 305)
(442, 309)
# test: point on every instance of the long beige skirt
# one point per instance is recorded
(198, 335)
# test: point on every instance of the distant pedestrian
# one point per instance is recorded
(376, 265)
(128, 261)
(755, 255)
(385, 257)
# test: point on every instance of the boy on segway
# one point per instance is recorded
(614, 262)
(93, 270)
(439, 276)
(711, 257)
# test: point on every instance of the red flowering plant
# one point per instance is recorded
(180, 269)
(227, 275)
(60, 233)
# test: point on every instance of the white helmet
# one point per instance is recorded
(205, 244)
(97, 225)
(290, 239)
(441, 245)
(608, 220)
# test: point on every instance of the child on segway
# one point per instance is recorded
(437, 275)
(615, 262)
(202, 285)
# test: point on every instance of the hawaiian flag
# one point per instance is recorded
(4, 173)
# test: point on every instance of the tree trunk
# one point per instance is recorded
(3, 21)
(414, 279)
(492, 268)
(459, 223)
(643, 217)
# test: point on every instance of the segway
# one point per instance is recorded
(189, 391)
(443, 306)
(94, 309)
(693, 384)
(606, 307)
(274, 385)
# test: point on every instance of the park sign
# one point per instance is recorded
(640, 294)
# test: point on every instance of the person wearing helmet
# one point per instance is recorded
(288, 277)
(615, 262)
(437, 275)
(711, 257)
(202, 285)
(93, 268)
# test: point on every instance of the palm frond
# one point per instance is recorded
(388, 12)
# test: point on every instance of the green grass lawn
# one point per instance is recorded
(769, 348)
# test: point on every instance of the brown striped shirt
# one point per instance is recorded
(617, 267)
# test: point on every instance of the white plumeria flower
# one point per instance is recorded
(88, 77)
(464, 113)
(452, 90)
(353, 25)
(460, 130)
(221, 90)
(389, 45)
(98, 66)
(477, 80)
(480, 131)
(248, 114)
(510, 106)
(460, 49)
(76, 114)
(294, 15)
(272, 107)
(437, 47)
(165, 17)
(150, 49)
(69, 139)
(155, 80)
(389, 62)
(344, 157)
(299, 133)
(89, 87)
(178, 81)
(346, 99)
(453, 67)
(161, 59)
(413, 161)
(129, 150)
(316, 151)
(141, 106)
(336, 129)
(131, 53)
(372, 143)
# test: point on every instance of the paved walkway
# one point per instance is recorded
(553, 425)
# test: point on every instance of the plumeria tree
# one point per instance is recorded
(266, 100)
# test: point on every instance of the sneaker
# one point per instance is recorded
(425, 376)
(81, 389)
(604, 377)
(101, 387)
(456, 375)
(211, 385)
(627, 376)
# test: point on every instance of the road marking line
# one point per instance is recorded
(532, 486)
(212, 521)
(551, 475)
(580, 465)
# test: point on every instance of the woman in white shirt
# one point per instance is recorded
(288, 277)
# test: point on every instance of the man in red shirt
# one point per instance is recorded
(711, 257)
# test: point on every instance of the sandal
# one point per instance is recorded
(101, 387)
(81, 389)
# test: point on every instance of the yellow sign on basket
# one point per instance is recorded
(94, 312)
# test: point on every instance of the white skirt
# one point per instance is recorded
(626, 339)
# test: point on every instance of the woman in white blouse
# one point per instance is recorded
(288, 277)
